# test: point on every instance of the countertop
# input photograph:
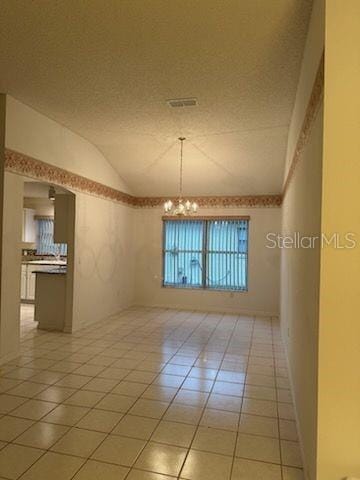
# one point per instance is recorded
(44, 262)
(52, 271)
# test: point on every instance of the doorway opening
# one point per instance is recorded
(47, 249)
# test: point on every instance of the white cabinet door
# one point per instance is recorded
(29, 225)
(23, 282)
(31, 279)
(30, 283)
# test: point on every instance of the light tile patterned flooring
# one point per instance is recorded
(27, 324)
(150, 395)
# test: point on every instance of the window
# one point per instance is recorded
(209, 254)
(45, 239)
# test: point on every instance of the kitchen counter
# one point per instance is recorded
(44, 262)
(28, 275)
(50, 299)
(52, 271)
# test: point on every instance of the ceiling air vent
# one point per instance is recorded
(182, 102)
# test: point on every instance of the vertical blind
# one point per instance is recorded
(45, 239)
(209, 254)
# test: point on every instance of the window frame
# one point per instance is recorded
(205, 251)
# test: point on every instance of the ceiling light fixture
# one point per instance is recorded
(181, 207)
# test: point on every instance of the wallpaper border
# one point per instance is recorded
(312, 109)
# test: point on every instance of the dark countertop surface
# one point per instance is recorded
(49, 263)
(52, 271)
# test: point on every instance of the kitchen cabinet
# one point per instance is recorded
(50, 302)
(28, 278)
(23, 281)
(29, 231)
(30, 283)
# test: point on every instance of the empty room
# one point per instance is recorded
(179, 232)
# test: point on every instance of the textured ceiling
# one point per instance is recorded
(105, 68)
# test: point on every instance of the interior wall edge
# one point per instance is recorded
(300, 295)
(312, 109)
(297, 420)
(2, 195)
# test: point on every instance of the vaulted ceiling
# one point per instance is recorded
(105, 68)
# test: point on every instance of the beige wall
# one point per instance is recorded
(339, 347)
(10, 253)
(263, 295)
(2, 172)
(320, 289)
(300, 291)
(300, 268)
(104, 259)
(11, 267)
(36, 135)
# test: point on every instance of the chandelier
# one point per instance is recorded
(181, 207)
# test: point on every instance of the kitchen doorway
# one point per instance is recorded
(44, 258)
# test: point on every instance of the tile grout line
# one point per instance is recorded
(109, 433)
(242, 402)
(172, 401)
(277, 404)
(207, 401)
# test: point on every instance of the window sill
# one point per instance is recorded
(202, 289)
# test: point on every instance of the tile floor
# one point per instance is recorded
(150, 395)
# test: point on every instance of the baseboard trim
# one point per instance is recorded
(71, 329)
(209, 308)
(301, 442)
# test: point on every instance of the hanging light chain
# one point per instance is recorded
(181, 165)
(180, 208)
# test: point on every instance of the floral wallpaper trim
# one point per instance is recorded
(21, 164)
(217, 201)
(310, 115)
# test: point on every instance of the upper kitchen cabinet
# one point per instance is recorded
(64, 218)
(29, 231)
